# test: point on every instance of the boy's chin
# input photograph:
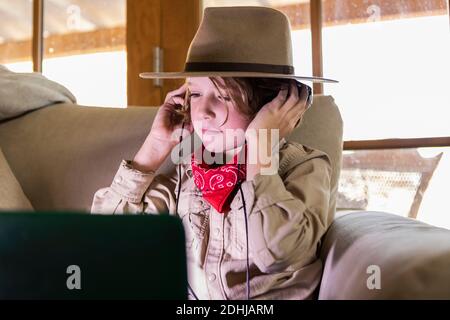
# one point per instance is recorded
(212, 147)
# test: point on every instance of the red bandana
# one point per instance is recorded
(218, 182)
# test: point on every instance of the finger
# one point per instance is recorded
(291, 102)
(300, 106)
(279, 100)
(293, 99)
(175, 103)
(177, 100)
(304, 93)
(296, 112)
(177, 92)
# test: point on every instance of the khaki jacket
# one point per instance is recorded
(287, 216)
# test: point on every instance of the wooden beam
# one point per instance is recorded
(100, 40)
(316, 40)
(38, 38)
(59, 45)
(16, 51)
(359, 11)
(180, 21)
(397, 143)
(143, 34)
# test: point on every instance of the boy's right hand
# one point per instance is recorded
(167, 120)
(161, 139)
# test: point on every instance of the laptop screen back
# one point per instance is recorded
(81, 256)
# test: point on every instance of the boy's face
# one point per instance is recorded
(214, 116)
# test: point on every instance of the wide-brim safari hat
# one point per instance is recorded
(243, 41)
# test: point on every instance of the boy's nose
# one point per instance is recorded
(205, 111)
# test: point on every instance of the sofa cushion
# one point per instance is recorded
(322, 128)
(23, 92)
(75, 151)
(11, 194)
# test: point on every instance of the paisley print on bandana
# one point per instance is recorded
(218, 183)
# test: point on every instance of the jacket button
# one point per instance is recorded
(118, 179)
(216, 231)
(200, 203)
(212, 277)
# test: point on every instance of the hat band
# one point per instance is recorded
(239, 67)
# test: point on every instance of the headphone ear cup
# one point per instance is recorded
(310, 97)
(301, 87)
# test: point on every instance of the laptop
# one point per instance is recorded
(60, 255)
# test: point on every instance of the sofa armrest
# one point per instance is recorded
(411, 258)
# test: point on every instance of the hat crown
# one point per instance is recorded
(242, 35)
(240, 41)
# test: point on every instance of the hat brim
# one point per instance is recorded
(180, 75)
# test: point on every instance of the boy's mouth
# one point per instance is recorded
(210, 131)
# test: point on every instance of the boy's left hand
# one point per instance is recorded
(282, 113)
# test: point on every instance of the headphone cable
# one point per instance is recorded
(247, 275)
(178, 196)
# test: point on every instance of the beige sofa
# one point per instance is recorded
(61, 154)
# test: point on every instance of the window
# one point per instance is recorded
(84, 49)
(393, 84)
(391, 58)
(16, 34)
(408, 182)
